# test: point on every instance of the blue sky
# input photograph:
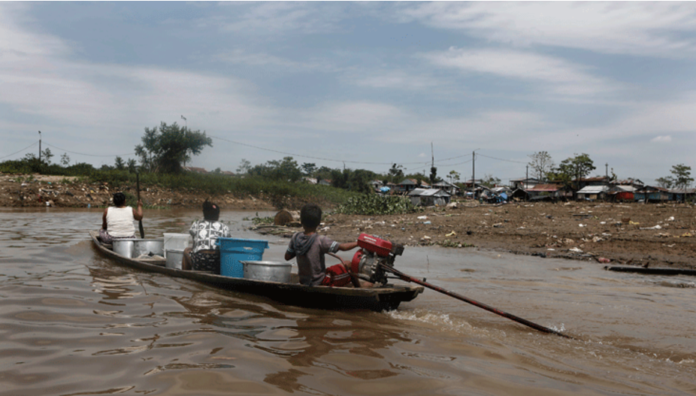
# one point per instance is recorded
(371, 83)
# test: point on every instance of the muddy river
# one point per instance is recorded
(75, 323)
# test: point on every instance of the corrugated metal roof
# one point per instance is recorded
(544, 187)
(593, 190)
(430, 192)
(624, 188)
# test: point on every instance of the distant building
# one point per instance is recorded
(194, 169)
(651, 194)
(524, 184)
(429, 197)
(593, 192)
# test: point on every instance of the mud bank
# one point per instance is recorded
(633, 234)
(74, 192)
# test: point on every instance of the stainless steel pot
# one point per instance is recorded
(174, 258)
(123, 247)
(273, 271)
(147, 246)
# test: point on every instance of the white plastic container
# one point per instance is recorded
(176, 242)
(174, 258)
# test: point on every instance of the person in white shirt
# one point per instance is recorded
(117, 221)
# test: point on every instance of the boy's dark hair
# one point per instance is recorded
(119, 199)
(211, 212)
(310, 216)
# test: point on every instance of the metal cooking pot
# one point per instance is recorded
(174, 258)
(273, 271)
(123, 247)
(147, 246)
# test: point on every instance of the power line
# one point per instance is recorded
(500, 159)
(89, 155)
(16, 152)
(317, 158)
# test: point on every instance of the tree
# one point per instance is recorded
(572, 168)
(287, 170)
(244, 167)
(682, 176)
(454, 176)
(119, 164)
(396, 172)
(433, 175)
(353, 180)
(665, 182)
(217, 171)
(490, 181)
(64, 159)
(309, 168)
(164, 149)
(47, 155)
(132, 165)
(541, 163)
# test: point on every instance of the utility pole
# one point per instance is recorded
(526, 178)
(606, 169)
(39, 146)
(473, 173)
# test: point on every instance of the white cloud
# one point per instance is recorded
(638, 28)
(558, 75)
(394, 80)
(274, 18)
(662, 139)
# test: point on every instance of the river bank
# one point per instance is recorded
(74, 192)
(627, 233)
(634, 234)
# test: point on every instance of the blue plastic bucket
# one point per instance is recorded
(234, 250)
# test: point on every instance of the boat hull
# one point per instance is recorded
(377, 299)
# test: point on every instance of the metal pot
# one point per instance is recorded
(148, 246)
(174, 258)
(273, 271)
(123, 247)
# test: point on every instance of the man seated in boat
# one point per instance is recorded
(117, 221)
(310, 248)
(205, 254)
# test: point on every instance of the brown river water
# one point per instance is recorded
(75, 323)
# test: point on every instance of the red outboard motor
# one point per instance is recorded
(375, 251)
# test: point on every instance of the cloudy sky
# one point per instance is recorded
(365, 83)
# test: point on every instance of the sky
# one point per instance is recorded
(357, 84)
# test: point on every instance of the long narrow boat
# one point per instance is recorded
(652, 271)
(387, 297)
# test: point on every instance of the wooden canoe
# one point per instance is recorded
(387, 297)
(652, 271)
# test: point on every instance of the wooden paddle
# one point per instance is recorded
(140, 222)
(488, 308)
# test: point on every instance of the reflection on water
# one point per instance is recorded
(75, 323)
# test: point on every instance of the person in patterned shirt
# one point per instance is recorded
(205, 254)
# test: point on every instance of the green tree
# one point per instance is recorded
(166, 148)
(572, 168)
(286, 170)
(244, 167)
(396, 173)
(433, 175)
(353, 180)
(309, 168)
(454, 176)
(541, 163)
(64, 159)
(665, 182)
(682, 176)
(119, 164)
(132, 165)
(490, 181)
(47, 155)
